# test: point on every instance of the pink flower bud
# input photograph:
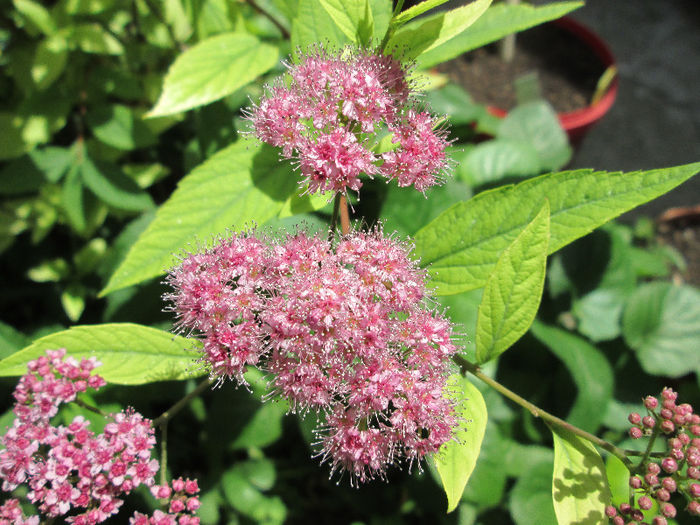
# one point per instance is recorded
(649, 421)
(651, 402)
(644, 503)
(669, 484)
(668, 510)
(635, 482)
(669, 465)
(636, 433)
(634, 418)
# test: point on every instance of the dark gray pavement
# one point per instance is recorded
(655, 121)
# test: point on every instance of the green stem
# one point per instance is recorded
(334, 217)
(168, 414)
(647, 452)
(272, 19)
(164, 453)
(468, 366)
(91, 408)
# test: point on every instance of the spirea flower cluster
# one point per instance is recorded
(182, 500)
(70, 468)
(329, 112)
(678, 472)
(341, 329)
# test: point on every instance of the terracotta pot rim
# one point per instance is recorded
(579, 118)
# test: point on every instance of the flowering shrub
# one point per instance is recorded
(341, 326)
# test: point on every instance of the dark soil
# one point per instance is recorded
(568, 70)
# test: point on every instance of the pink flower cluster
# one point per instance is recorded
(343, 330)
(183, 502)
(677, 472)
(331, 110)
(70, 467)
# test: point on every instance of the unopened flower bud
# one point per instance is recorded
(649, 421)
(668, 393)
(694, 490)
(653, 468)
(666, 413)
(669, 465)
(667, 426)
(659, 520)
(669, 404)
(650, 402)
(662, 494)
(668, 510)
(634, 418)
(693, 508)
(693, 472)
(675, 443)
(651, 480)
(669, 484)
(635, 482)
(677, 454)
(610, 511)
(644, 503)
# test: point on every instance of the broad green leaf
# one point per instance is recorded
(463, 243)
(20, 176)
(381, 14)
(415, 10)
(49, 61)
(212, 69)
(113, 187)
(453, 101)
(11, 340)
(313, 24)
(456, 459)
(498, 21)
(536, 124)
(353, 17)
(52, 161)
(73, 301)
(514, 290)
(661, 322)
(579, 487)
(263, 428)
(130, 354)
(487, 483)
(120, 127)
(37, 15)
(421, 36)
(241, 487)
(92, 38)
(242, 183)
(590, 370)
(499, 158)
(73, 201)
(531, 496)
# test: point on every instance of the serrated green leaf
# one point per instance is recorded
(456, 460)
(415, 10)
(462, 245)
(241, 184)
(514, 290)
(590, 370)
(498, 21)
(130, 354)
(661, 322)
(418, 37)
(113, 187)
(313, 24)
(537, 125)
(212, 69)
(579, 487)
(353, 18)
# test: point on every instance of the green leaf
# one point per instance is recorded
(11, 340)
(514, 290)
(498, 21)
(313, 24)
(537, 125)
(353, 18)
(531, 496)
(49, 61)
(456, 460)
(661, 322)
(414, 11)
(92, 38)
(212, 69)
(418, 37)
(590, 370)
(73, 200)
(242, 184)
(263, 428)
(52, 161)
(37, 15)
(120, 127)
(130, 354)
(495, 159)
(20, 176)
(463, 243)
(579, 487)
(113, 187)
(73, 301)
(454, 101)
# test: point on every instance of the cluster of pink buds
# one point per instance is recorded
(677, 472)
(182, 503)
(70, 469)
(330, 112)
(342, 329)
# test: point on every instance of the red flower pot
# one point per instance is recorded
(577, 123)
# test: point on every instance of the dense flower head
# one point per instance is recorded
(330, 111)
(182, 503)
(675, 473)
(70, 467)
(342, 328)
